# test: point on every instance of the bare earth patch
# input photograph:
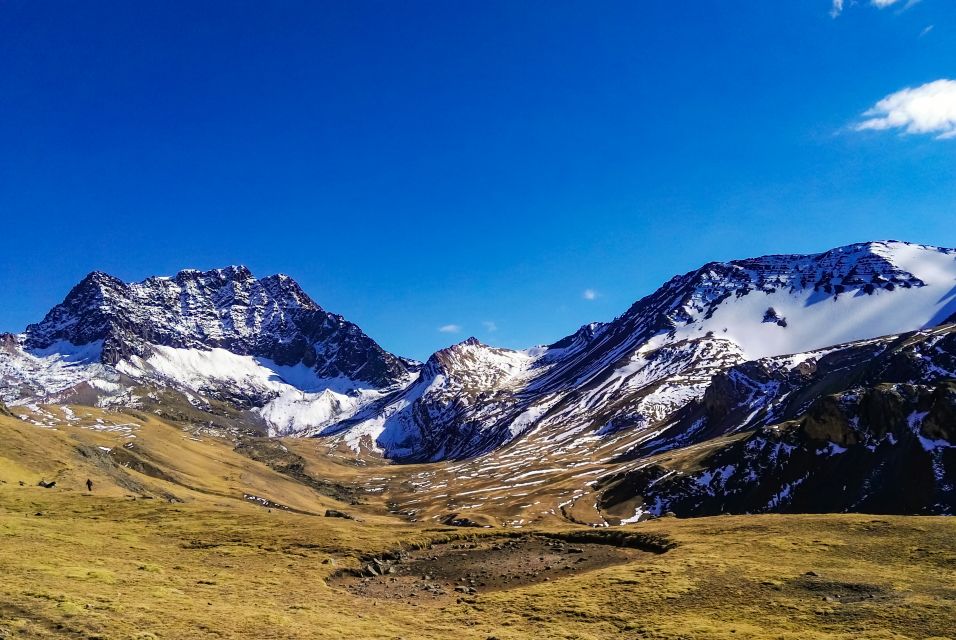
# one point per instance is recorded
(463, 570)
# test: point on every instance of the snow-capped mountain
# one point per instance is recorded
(463, 397)
(257, 343)
(631, 374)
(220, 309)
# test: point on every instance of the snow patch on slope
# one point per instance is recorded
(41, 374)
(816, 319)
(293, 398)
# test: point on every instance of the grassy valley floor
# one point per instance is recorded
(202, 542)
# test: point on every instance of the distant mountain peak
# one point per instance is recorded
(224, 308)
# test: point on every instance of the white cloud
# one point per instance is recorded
(490, 326)
(928, 109)
(589, 294)
(450, 328)
(926, 30)
(838, 5)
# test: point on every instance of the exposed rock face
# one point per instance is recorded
(871, 429)
(224, 308)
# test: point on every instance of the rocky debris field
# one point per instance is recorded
(464, 570)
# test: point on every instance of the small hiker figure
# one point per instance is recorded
(89, 485)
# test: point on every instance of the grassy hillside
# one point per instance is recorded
(184, 537)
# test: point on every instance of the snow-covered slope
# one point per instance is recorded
(790, 304)
(634, 372)
(451, 410)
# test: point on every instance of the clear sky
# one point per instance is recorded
(509, 170)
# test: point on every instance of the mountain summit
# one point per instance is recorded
(223, 308)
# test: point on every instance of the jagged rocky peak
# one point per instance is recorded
(227, 308)
(780, 304)
(855, 266)
(83, 317)
(475, 362)
(464, 351)
(844, 294)
(866, 267)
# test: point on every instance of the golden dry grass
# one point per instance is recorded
(116, 564)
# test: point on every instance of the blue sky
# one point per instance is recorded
(473, 166)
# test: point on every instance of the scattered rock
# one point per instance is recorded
(335, 513)
(454, 520)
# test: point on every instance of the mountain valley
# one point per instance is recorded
(775, 434)
(764, 377)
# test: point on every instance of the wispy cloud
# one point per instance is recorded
(450, 328)
(838, 5)
(490, 326)
(590, 294)
(927, 109)
(926, 30)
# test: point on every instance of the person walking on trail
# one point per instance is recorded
(89, 485)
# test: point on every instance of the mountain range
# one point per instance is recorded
(823, 382)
